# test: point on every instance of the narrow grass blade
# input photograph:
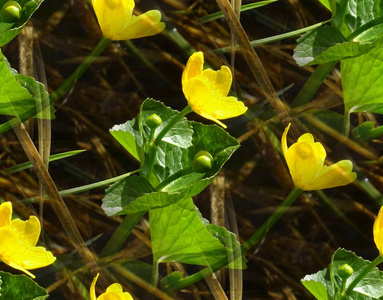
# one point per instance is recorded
(54, 157)
(245, 7)
(274, 38)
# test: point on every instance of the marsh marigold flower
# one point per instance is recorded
(118, 23)
(305, 160)
(206, 91)
(113, 292)
(18, 242)
(378, 231)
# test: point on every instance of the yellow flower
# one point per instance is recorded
(206, 91)
(378, 231)
(113, 292)
(18, 240)
(118, 23)
(305, 160)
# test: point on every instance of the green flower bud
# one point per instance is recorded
(202, 162)
(10, 12)
(153, 121)
(345, 271)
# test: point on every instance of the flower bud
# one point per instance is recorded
(10, 12)
(153, 121)
(202, 162)
(345, 271)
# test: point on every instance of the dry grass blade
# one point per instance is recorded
(253, 60)
(217, 206)
(56, 201)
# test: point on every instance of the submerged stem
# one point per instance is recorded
(88, 61)
(122, 233)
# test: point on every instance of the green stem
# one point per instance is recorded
(244, 248)
(361, 275)
(172, 122)
(84, 188)
(313, 83)
(260, 233)
(121, 234)
(125, 228)
(173, 177)
(88, 61)
(343, 6)
(153, 145)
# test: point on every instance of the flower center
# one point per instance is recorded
(304, 150)
(112, 3)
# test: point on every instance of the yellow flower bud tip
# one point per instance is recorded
(305, 160)
(206, 91)
(378, 231)
(18, 242)
(10, 12)
(118, 23)
(113, 292)
(202, 162)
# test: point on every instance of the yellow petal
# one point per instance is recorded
(302, 163)
(9, 245)
(114, 292)
(199, 95)
(209, 117)
(284, 140)
(193, 67)
(113, 15)
(147, 24)
(36, 257)
(378, 231)
(11, 251)
(93, 288)
(338, 174)
(20, 268)
(225, 108)
(29, 230)
(5, 213)
(220, 80)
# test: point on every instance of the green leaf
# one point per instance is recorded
(356, 14)
(40, 95)
(134, 135)
(14, 99)
(180, 135)
(326, 4)
(326, 44)
(178, 234)
(362, 81)
(20, 287)
(369, 286)
(328, 280)
(318, 284)
(174, 155)
(171, 279)
(122, 199)
(19, 93)
(129, 136)
(7, 30)
(122, 193)
(366, 131)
